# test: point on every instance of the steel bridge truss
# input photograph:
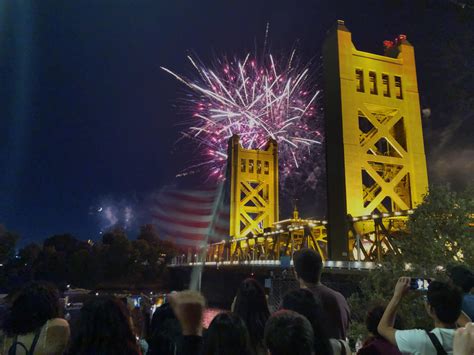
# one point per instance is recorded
(370, 238)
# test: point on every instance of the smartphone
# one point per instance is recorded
(137, 301)
(419, 284)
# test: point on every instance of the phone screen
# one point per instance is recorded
(137, 301)
(419, 284)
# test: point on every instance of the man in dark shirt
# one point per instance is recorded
(308, 268)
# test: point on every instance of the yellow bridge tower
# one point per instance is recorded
(375, 155)
(253, 188)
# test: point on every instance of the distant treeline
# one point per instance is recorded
(66, 260)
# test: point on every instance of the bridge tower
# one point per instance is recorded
(253, 188)
(375, 155)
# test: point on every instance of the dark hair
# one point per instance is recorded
(462, 277)
(104, 328)
(446, 301)
(302, 301)
(374, 315)
(308, 265)
(227, 335)
(32, 307)
(288, 332)
(251, 305)
(165, 331)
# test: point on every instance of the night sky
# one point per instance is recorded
(88, 118)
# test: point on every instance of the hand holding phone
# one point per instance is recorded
(419, 284)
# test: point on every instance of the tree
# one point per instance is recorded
(52, 266)
(149, 233)
(84, 268)
(30, 253)
(438, 235)
(63, 243)
(439, 231)
(116, 254)
(7, 244)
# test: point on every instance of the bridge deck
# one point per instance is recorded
(328, 265)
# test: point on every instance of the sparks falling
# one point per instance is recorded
(257, 100)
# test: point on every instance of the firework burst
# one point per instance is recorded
(257, 100)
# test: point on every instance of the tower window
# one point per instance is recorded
(266, 167)
(386, 85)
(259, 166)
(398, 87)
(360, 80)
(373, 82)
(251, 165)
(242, 165)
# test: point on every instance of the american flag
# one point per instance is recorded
(191, 218)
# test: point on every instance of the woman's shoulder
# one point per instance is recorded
(339, 346)
(57, 322)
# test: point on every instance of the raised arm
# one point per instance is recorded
(385, 327)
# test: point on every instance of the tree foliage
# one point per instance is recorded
(7, 244)
(438, 235)
(64, 259)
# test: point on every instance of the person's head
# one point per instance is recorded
(462, 277)
(31, 307)
(444, 302)
(165, 331)
(104, 328)
(289, 333)
(308, 266)
(227, 335)
(374, 315)
(302, 301)
(251, 305)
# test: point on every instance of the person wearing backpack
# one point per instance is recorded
(443, 304)
(32, 325)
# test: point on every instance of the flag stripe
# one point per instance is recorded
(183, 196)
(185, 216)
(181, 222)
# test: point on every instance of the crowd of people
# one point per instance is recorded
(313, 319)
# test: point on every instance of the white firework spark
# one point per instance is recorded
(256, 100)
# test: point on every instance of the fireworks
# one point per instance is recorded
(112, 213)
(258, 100)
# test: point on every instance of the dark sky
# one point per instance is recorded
(87, 116)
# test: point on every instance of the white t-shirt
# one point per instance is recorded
(416, 341)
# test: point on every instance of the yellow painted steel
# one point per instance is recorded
(253, 188)
(384, 153)
(374, 135)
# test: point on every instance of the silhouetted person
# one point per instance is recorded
(376, 344)
(251, 305)
(302, 301)
(289, 333)
(227, 335)
(308, 268)
(32, 325)
(165, 332)
(443, 305)
(104, 328)
(462, 277)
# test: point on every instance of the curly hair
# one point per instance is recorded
(104, 328)
(32, 307)
(288, 332)
(302, 301)
(227, 335)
